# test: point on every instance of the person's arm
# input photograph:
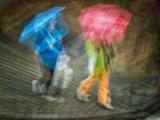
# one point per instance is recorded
(92, 56)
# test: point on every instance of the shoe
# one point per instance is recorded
(107, 106)
(35, 87)
(42, 89)
(83, 98)
(54, 98)
(38, 89)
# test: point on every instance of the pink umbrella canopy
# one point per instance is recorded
(104, 24)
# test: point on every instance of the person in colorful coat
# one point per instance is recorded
(99, 68)
(102, 26)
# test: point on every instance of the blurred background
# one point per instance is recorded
(135, 72)
(138, 54)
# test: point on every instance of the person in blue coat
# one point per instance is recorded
(44, 34)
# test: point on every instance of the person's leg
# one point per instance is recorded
(46, 74)
(104, 97)
(103, 90)
(86, 86)
(62, 75)
(54, 88)
(40, 86)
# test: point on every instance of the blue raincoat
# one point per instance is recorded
(43, 34)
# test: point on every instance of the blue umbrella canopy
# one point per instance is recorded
(44, 34)
(39, 22)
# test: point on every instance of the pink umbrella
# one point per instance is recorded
(104, 24)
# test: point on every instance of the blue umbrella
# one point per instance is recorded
(44, 34)
(39, 21)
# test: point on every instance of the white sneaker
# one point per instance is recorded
(35, 87)
(83, 98)
(107, 106)
(54, 99)
(42, 89)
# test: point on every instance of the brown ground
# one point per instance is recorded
(135, 82)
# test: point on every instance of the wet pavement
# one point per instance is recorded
(19, 66)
